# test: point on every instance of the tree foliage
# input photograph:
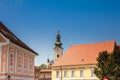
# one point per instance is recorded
(116, 61)
(108, 65)
(43, 66)
(102, 65)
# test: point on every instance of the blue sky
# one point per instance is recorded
(36, 22)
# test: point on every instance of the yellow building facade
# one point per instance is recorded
(81, 72)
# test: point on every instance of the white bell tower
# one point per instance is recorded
(58, 50)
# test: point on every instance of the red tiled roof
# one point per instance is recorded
(84, 53)
(9, 35)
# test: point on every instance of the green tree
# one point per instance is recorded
(108, 65)
(102, 65)
(116, 62)
(43, 66)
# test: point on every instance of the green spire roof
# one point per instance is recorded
(58, 43)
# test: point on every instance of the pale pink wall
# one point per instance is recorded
(2, 39)
(4, 58)
(23, 62)
(31, 60)
(16, 61)
(19, 62)
(12, 59)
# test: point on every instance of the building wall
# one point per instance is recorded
(58, 52)
(16, 62)
(45, 75)
(3, 58)
(86, 73)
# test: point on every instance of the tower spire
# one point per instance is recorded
(58, 48)
(58, 42)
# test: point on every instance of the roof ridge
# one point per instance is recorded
(89, 52)
(94, 43)
(12, 37)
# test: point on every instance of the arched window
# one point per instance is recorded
(58, 56)
(57, 74)
(65, 73)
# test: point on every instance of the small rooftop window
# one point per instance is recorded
(82, 60)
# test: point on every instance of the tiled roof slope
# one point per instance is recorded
(9, 35)
(84, 53)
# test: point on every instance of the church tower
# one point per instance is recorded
(58, 50)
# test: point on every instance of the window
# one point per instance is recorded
(19, 60)
(81, 73)
(57, 73)
(92, 72)
(57, 56)
(72, 73)
(65, 73)
(11, 55)
(31, 63)
(25, 62)
(11, 58)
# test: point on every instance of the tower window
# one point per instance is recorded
(11, 55)
(58, 56)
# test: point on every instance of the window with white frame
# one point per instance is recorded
(57, 74)
(92, 72)
(81, 73)
(65, 73)
(72, 73)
